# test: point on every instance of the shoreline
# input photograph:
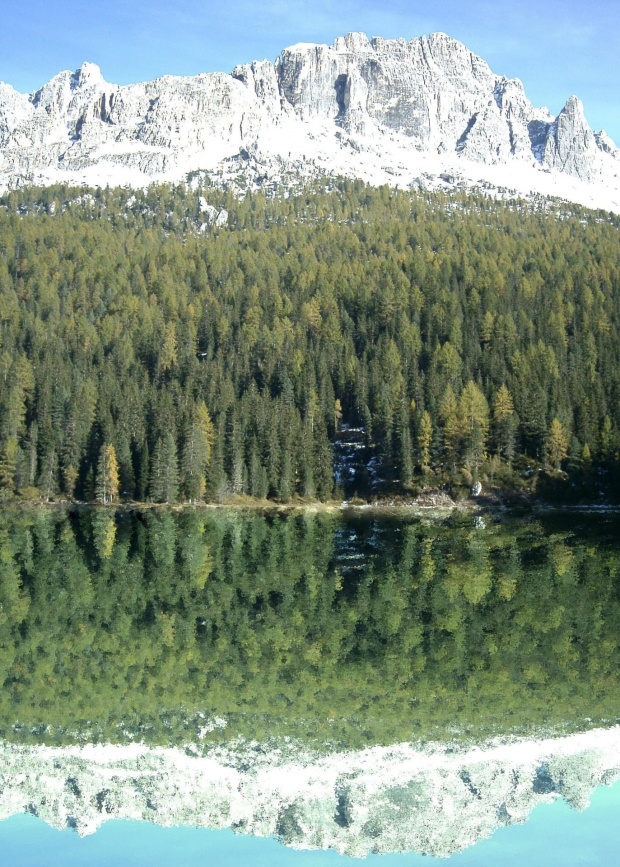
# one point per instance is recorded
(433, 506)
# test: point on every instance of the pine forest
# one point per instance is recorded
(149, 355)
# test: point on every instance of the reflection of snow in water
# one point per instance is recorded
(437, 799)
(354, 545)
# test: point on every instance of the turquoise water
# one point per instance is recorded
(554, 836)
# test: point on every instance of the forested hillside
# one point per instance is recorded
(147, 355)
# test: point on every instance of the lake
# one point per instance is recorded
(305, 689)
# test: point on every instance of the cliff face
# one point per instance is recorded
(377, 109)
(436, 800)
(435, 91)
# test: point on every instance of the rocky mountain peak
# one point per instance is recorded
(605, 143)
(88, 75)
(357, 42)
(385, 110)
(571, 145)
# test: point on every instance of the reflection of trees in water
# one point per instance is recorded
(350, 632)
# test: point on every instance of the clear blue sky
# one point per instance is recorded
(557, 47)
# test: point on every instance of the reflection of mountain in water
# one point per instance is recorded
(312, 644)
(383, 799)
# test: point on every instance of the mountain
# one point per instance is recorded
(437, 800)
(427, 112)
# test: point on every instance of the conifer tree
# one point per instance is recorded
(575, 451)
(606, 438)
(258, 476)
(142, 463)
(48, 477)
(307, 460)
(557, 444)
(164, 486)
(448, 414)
(425, 438)
(126, 475)
(337, 415)
(474, 412)
(312, 408)
(406, 457)
(168, 355)
(156, 488)
(31, 448)
(586, 458)
(8, 463)
(194, 463)
(286, 477)
(504, 420)
(69, 479)
(106, 483)
(323, 469)
(203, 420)
(217, 481)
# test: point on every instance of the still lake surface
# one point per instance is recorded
(222, 687)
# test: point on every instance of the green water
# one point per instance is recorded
(345, 632)
(205, 629)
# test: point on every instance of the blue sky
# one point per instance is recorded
(557, 47)
(554, 836)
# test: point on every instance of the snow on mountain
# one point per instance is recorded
(386, 111)
(438, 799)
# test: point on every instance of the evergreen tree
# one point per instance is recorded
(474, 413)
(307, 460)
(141, 460)
(406, 454)
(449, 417)
(606, 439)
(31, 449)
(48, 477)
(425, 438)
(586, 458)
(156, 484)
(126, 476)
(203, 421)
(194, 463)
(9, 451)
(258, 476)
(575, 451)
(323, 469)
(504, 421)
(164, 487)
(557, 444)
(69, 480)
(285, 486)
